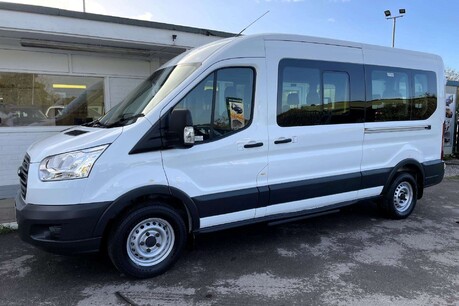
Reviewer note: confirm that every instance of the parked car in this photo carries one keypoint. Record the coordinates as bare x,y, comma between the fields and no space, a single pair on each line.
24,115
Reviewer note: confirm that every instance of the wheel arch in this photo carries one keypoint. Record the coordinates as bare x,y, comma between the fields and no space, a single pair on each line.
411,166
172,196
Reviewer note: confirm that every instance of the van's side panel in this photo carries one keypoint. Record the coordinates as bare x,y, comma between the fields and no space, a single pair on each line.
388,143
321,165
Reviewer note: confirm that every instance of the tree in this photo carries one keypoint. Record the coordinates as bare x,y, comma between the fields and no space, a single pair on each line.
451,74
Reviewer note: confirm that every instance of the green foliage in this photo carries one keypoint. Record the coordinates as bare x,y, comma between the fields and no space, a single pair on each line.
5,230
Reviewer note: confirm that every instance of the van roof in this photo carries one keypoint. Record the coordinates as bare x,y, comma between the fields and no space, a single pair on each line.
253,46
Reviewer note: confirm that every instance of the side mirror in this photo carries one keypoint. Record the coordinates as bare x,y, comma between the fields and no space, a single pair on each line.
188,135
180,131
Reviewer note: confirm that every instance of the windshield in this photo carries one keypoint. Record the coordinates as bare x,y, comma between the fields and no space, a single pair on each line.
146,96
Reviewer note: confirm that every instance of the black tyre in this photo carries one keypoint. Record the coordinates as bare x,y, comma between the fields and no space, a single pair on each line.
148,241
401,197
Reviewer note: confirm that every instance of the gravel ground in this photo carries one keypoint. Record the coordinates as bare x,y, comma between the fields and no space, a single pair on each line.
452,169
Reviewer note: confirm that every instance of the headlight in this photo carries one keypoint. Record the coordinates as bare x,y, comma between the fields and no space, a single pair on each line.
71,165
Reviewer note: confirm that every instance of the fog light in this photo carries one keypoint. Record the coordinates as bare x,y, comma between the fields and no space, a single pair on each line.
55,232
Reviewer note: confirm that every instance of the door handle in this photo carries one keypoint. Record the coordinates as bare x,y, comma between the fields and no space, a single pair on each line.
282,140
253,145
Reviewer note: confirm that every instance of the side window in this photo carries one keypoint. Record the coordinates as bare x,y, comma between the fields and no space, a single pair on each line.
300,100
221,104
199,103
396,94
389,91
233,100
336,95
424,101
316,92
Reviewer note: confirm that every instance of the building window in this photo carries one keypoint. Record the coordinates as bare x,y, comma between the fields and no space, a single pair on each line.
49,100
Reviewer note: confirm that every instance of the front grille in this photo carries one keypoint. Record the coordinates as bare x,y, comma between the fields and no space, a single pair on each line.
23,173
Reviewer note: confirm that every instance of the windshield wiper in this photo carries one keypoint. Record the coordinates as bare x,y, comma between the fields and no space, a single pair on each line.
94,123
123,119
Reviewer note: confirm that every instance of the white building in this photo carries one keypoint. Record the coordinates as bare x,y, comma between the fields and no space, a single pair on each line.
49,57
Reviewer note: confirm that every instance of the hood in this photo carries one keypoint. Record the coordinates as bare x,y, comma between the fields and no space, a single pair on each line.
73,139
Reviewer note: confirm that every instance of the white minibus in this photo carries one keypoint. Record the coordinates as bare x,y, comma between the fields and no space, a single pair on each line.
248,129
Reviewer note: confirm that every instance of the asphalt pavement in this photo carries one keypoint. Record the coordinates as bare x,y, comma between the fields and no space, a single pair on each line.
354,257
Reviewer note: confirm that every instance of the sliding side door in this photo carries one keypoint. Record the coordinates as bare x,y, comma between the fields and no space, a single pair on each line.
315,125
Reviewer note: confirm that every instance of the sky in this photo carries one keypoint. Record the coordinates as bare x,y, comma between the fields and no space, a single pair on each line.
428,26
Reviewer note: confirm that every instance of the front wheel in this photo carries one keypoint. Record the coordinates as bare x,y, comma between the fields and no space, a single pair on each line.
148,241
401,197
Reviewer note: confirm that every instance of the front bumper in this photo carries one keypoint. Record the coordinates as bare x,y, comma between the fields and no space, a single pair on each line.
63,229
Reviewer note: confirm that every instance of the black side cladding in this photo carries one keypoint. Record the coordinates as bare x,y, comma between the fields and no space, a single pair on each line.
152,140
165,133
434,171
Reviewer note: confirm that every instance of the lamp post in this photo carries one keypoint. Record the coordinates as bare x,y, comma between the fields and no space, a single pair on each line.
394,18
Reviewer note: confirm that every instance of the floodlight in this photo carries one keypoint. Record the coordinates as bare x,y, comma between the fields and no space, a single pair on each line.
402,11
387,13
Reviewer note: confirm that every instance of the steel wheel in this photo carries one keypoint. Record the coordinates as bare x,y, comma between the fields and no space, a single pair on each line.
403,196
400,199
150,242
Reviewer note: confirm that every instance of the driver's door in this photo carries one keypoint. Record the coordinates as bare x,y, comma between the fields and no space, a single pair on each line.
225,167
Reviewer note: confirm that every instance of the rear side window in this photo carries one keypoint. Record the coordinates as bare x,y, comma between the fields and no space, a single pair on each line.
424,102
390,95
397,94
222,103
317,92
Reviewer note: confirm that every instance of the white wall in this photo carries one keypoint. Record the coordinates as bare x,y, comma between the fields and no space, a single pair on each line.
118,88
40,25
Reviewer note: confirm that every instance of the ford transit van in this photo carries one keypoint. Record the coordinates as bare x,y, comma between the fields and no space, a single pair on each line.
243,130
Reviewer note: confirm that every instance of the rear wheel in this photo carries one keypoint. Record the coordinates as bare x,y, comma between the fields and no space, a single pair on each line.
148,241
401,197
